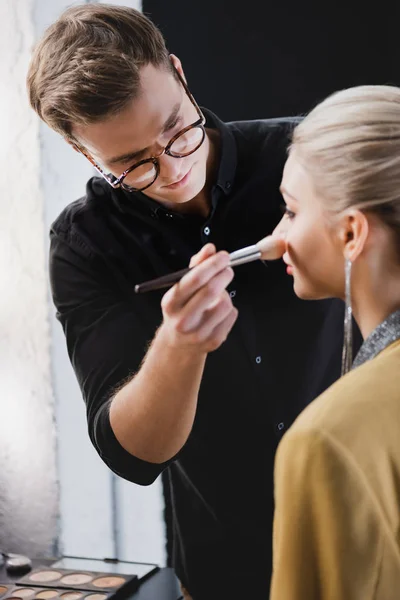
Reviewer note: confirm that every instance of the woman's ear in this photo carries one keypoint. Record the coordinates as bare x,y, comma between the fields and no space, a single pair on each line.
353,233
178,66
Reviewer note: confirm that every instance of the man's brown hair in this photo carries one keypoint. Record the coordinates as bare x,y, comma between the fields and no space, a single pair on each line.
86,66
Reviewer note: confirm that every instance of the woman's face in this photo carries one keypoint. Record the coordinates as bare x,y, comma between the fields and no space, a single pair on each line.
314,252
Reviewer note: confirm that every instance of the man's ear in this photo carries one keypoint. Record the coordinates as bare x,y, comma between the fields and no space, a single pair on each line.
353,233
178,66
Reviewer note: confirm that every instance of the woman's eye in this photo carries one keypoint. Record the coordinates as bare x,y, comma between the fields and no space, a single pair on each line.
289,213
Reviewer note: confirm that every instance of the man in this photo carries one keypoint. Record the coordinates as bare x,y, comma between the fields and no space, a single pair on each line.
163,388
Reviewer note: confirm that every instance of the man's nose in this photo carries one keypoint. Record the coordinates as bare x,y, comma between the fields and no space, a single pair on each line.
171,169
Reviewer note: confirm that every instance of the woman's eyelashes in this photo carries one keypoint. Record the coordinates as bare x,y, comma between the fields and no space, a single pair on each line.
287,212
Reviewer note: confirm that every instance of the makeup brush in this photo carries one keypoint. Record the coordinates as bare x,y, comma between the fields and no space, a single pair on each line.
269,248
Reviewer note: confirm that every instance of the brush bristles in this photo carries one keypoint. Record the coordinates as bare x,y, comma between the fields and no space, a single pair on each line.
271,247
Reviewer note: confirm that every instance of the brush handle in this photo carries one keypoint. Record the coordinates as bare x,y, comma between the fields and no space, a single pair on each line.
161,282
239,257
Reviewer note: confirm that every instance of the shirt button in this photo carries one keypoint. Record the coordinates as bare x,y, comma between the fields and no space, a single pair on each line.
232,293
258,359
207,230
228,185
280,426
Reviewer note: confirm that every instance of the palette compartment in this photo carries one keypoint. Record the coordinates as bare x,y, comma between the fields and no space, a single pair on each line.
109,565
90,581
4,589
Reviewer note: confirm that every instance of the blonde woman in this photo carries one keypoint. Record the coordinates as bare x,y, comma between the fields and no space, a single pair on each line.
337,471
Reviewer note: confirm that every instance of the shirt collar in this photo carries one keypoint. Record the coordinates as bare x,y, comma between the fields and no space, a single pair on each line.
385,334
228,153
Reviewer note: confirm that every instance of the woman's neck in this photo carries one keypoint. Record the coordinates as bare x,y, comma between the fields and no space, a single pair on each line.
374,299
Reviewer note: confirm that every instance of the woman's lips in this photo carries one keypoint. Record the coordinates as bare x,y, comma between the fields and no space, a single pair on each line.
289,268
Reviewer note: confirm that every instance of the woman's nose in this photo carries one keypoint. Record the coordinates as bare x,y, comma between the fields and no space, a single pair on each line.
282,228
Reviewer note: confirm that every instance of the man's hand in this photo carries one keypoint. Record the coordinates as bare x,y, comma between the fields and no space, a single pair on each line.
198,312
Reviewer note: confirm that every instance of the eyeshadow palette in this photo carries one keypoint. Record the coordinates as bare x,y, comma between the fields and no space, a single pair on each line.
31,593
89,581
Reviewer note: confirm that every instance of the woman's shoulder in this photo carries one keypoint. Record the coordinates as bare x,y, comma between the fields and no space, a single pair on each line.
367,398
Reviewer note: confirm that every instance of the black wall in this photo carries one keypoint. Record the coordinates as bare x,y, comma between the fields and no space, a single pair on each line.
255,59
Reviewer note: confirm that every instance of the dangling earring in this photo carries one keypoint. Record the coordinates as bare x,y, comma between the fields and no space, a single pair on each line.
347,354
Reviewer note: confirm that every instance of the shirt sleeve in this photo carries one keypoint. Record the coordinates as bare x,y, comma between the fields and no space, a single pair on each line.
327,537
106,341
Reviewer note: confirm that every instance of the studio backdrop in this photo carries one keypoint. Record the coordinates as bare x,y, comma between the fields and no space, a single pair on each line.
255,59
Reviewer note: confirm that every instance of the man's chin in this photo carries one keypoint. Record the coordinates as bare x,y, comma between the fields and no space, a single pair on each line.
185,195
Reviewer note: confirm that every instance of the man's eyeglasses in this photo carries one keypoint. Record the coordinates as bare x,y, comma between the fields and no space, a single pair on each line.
143,173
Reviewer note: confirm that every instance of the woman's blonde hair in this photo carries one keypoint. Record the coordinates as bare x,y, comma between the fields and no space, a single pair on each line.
350,145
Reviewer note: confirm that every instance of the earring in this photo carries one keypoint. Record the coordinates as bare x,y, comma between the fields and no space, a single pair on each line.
347,354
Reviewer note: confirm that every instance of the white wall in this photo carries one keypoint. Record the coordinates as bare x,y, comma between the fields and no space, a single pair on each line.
100,514
28,482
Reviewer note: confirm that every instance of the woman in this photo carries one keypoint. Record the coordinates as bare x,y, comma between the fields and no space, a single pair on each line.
337,470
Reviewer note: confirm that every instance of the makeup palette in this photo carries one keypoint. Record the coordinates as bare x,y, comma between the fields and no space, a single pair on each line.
32,593
101,584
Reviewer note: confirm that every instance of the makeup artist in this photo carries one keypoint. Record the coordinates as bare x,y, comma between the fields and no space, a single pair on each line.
204,380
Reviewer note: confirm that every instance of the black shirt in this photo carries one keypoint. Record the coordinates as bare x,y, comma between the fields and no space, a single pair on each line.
281,353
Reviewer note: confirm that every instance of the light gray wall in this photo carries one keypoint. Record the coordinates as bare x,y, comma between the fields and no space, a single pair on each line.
101,515
43,436
28,480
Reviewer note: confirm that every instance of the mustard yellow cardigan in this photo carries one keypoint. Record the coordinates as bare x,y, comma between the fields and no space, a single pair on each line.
337,491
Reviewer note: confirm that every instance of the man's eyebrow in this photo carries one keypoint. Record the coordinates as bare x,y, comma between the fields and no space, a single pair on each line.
170,122
136,154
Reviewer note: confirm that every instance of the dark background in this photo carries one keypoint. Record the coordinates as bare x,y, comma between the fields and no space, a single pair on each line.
259,59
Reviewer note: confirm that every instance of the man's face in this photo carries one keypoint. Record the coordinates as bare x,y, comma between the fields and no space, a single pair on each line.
142,130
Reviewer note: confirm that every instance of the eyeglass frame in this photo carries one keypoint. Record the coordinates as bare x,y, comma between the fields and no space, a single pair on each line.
119,181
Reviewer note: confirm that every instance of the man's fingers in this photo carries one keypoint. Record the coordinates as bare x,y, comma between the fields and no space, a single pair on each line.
214,316
205,252
221,332
197,278
203,303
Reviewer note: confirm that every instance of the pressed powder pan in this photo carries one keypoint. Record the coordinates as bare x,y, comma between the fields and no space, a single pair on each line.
79,580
